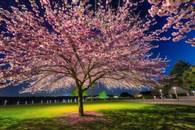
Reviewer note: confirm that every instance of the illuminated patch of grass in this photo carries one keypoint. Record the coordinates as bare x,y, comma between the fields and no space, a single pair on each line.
53,110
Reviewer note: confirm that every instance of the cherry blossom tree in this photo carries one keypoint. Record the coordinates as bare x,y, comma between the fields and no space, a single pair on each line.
78,46
180,15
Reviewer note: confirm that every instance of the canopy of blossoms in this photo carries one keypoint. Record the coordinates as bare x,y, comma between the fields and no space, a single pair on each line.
75,45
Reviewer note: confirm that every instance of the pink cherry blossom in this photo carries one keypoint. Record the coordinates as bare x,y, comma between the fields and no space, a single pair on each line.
80,48
180,16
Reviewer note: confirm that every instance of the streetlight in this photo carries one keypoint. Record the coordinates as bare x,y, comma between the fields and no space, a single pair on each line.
161,94
175,90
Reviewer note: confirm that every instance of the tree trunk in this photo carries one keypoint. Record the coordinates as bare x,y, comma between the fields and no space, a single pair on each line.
80,101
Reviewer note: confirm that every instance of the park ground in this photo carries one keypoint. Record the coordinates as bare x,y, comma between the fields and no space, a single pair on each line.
123,115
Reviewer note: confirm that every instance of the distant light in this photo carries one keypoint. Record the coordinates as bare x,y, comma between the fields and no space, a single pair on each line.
115,96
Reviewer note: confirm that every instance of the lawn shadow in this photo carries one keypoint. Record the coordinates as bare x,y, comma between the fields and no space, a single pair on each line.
158,117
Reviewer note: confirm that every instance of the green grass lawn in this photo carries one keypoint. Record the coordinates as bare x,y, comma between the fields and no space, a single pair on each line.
117,116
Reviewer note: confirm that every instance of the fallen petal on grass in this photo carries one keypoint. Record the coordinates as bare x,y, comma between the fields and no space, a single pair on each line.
74,118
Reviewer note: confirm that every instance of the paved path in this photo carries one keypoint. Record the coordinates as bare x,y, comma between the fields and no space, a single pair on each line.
181,101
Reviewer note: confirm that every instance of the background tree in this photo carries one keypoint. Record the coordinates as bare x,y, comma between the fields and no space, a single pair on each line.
103,95
166,85
74,45
182,75
179,68
188,78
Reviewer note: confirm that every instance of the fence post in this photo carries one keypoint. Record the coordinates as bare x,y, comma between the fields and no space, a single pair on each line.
5,102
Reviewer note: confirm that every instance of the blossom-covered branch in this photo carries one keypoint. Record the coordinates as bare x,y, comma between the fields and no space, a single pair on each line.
180,16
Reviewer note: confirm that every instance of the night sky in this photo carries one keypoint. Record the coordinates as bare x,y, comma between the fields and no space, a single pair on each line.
173,51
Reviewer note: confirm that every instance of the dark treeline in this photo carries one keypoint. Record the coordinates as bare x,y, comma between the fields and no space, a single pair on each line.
182,75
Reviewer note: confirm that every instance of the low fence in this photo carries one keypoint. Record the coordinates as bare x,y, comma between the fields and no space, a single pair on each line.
4,101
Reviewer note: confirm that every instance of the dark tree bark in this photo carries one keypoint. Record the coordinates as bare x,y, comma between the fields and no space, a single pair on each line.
80,101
